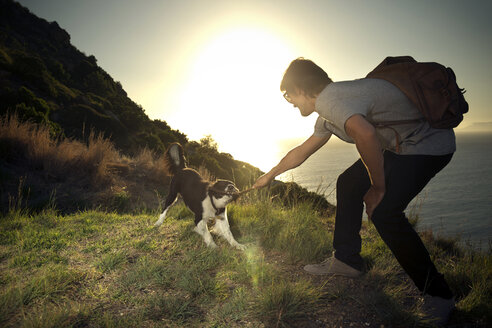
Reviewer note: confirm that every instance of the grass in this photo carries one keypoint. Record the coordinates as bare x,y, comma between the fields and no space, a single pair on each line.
282,302
287,230
40,167
107,268
101,269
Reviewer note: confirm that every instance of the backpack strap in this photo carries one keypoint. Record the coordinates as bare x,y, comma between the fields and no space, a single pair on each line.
388,125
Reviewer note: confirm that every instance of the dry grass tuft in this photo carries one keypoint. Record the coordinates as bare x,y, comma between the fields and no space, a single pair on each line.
206,174
59,157
93,171
149,163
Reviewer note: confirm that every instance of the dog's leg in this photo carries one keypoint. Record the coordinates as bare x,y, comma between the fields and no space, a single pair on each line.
171,198
202,229
222,228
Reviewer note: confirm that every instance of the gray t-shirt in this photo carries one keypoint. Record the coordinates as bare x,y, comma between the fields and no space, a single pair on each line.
379,101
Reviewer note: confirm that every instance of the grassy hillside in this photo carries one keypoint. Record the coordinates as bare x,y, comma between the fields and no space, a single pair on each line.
62,265
68,259
46,80
36,169
100,269
79,120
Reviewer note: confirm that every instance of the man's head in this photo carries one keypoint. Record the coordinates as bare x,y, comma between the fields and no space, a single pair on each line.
302,82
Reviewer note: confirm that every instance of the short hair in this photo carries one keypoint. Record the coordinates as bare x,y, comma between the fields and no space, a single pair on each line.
306,76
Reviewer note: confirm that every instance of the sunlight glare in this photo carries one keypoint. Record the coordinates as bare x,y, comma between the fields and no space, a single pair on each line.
232,93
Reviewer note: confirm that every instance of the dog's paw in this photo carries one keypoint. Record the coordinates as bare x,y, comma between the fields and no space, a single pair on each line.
212,245
241,247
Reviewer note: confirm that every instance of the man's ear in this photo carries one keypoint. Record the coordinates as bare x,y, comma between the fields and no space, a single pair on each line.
299,92
302,93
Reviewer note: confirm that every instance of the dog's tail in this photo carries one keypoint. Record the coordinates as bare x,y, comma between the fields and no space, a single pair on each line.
175,158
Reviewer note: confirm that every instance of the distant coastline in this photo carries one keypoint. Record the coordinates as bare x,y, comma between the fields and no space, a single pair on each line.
482,127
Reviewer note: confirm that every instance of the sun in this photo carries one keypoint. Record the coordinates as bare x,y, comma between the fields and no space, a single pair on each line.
232,93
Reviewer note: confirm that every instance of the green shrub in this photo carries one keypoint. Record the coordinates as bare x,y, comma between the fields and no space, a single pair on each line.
5,59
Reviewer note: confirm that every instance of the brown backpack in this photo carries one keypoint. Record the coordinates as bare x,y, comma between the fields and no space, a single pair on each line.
430,86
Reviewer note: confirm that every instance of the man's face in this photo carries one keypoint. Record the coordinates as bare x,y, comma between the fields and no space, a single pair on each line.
302,101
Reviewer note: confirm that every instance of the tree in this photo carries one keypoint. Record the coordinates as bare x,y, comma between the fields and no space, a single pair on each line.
208,142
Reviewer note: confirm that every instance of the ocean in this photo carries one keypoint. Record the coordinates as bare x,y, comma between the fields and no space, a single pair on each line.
456,203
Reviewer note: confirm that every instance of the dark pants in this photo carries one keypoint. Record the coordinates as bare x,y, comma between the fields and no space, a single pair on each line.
406,176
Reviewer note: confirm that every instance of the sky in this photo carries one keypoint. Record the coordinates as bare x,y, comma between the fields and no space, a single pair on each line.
214,67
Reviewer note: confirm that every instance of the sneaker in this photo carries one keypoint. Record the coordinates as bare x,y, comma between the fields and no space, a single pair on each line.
437,309
333,266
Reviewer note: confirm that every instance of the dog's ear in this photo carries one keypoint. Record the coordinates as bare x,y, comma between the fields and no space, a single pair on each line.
224,184
220,185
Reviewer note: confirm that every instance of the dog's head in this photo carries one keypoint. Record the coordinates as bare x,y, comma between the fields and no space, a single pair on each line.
224,191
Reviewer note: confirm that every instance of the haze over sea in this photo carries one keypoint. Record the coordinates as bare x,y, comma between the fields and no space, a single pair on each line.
457,202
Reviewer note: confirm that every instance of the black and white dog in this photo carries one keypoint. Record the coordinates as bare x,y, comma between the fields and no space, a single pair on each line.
204,199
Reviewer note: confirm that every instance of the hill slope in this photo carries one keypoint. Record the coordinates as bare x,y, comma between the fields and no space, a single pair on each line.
45,80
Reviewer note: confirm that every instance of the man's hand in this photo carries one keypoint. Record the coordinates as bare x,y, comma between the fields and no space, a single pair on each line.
364,135
263,181
372,198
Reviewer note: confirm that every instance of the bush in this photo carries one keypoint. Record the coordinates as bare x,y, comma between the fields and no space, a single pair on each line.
58,70
5,60
30,67
290,194
98,82
151,141
33,69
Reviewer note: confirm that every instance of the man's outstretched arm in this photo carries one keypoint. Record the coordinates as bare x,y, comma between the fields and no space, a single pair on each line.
293,159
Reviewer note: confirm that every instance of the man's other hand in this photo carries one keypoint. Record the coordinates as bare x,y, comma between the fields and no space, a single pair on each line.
373,197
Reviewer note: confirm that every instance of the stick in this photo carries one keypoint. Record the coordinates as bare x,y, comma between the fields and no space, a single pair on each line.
245,191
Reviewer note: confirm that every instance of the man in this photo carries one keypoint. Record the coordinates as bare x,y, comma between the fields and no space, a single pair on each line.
396,163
